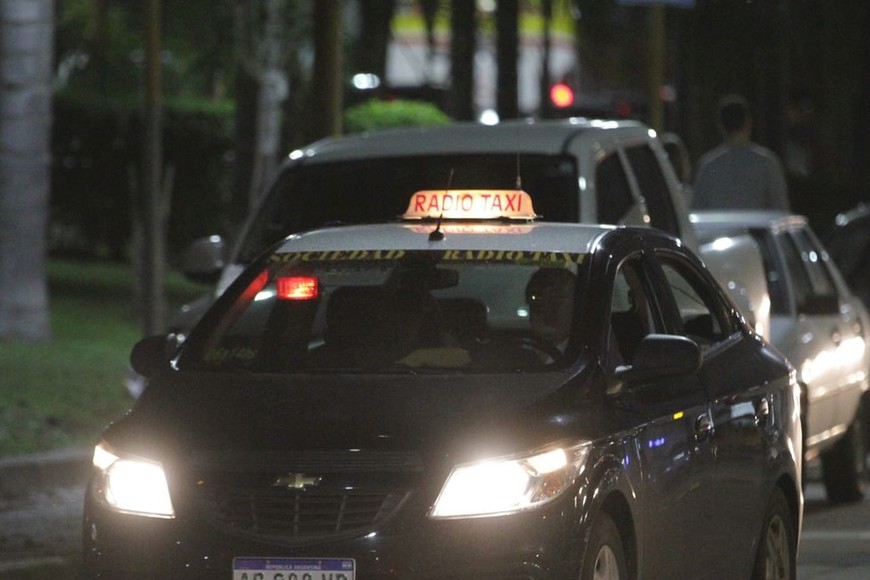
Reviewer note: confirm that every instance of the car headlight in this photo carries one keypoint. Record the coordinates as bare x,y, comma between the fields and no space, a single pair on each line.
133,485
509,484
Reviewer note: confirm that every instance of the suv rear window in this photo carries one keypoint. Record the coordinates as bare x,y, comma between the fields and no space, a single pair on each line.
313,195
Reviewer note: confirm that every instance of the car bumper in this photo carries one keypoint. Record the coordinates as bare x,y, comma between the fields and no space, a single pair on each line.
540,544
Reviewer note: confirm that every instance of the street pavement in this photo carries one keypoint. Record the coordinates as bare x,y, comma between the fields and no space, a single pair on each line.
41,498
835,543
41,504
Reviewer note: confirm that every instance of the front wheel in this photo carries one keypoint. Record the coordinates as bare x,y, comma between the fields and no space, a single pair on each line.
844,466
604,557
776,558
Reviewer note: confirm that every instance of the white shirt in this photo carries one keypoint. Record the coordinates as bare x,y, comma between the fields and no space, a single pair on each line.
740,176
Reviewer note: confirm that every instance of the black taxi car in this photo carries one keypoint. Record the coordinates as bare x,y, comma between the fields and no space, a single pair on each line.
465,394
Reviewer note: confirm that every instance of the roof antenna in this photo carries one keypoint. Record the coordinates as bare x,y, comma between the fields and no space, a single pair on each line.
437,235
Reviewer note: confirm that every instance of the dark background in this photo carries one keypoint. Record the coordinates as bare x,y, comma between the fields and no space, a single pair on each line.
803,64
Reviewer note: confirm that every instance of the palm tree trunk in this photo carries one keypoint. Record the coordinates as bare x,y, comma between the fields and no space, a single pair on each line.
27,27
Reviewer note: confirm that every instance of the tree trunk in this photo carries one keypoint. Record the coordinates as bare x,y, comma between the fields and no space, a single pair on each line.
99,37
27,30
272,80
545,81
430,13
247,91
463,27
375,16
261,88
327,86
507,42
153,306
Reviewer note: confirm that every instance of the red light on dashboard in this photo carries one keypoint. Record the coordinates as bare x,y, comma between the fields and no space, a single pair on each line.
298,288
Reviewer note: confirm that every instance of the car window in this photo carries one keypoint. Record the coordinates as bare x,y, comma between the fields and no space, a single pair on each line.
653,187
631,315
703,316
811,281
678,155
814,260
375,190
776,283
849,247
391,311
614,197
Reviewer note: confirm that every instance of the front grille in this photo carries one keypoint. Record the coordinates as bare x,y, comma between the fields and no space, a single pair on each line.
247,496
296,514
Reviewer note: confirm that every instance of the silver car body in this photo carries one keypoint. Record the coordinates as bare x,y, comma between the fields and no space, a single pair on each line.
588,141
815,320
737,263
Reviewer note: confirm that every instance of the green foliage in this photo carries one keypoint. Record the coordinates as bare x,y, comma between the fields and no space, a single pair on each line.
376,115
91,153
103,51
62,393
96,152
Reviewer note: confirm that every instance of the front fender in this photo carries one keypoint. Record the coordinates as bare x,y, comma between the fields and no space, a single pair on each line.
607,486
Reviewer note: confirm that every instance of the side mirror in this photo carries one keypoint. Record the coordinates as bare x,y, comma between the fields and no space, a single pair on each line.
204,259
660,356
152,353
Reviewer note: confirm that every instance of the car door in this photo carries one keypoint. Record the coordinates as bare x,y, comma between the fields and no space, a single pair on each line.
668,418
829,365
740,430
615,202
848,243
654,189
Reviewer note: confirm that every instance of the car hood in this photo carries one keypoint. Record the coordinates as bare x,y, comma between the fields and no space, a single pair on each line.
463,417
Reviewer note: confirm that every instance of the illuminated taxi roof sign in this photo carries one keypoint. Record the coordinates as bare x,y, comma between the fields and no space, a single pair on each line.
471,204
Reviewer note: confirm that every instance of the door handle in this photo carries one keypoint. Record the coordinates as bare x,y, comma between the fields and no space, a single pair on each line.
762,411
703,427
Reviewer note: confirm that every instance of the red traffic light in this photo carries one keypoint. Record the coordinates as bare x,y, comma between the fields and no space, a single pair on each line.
561,95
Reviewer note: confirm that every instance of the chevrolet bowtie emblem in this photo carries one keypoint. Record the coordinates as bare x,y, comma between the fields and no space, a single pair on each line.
297,481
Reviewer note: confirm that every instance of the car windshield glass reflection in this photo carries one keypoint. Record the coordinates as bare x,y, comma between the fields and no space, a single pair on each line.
394,311
377,190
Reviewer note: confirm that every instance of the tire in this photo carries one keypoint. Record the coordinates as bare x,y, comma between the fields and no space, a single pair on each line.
604,557
844,467
803,441
865,419
776,558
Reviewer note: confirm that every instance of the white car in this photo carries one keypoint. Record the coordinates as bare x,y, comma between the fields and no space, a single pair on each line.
576,170
822,328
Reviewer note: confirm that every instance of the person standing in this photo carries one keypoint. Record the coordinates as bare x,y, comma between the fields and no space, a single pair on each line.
739,174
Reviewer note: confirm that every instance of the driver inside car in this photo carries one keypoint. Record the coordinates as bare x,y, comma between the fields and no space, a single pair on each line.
550,297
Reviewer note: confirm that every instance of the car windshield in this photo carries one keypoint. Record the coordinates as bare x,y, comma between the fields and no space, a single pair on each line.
393,311
312,195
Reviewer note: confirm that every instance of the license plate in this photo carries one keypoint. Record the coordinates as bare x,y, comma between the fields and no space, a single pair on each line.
294,569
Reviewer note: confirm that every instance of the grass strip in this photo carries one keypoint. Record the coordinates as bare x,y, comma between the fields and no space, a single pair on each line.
62,393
